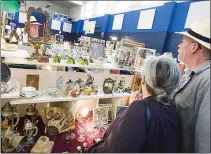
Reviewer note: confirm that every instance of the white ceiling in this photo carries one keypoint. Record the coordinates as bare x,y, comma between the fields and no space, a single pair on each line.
67,4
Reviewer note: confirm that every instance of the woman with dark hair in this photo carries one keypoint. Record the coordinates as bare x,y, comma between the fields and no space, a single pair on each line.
150,124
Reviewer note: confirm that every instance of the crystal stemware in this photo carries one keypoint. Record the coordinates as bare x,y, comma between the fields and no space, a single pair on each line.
81,130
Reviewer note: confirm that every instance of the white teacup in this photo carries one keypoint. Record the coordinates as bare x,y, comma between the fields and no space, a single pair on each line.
28,89
29,92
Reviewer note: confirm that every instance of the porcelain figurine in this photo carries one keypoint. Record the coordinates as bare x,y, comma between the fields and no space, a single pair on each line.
89,81
120,88
59,83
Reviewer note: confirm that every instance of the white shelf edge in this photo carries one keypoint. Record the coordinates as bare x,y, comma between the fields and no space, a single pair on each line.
45,99
26,62
7,96
15,94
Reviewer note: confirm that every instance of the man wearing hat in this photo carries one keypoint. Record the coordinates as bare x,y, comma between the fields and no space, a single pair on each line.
193,94
35,27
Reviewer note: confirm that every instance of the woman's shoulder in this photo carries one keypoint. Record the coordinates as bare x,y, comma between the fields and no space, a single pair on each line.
139,106
152,102
143,102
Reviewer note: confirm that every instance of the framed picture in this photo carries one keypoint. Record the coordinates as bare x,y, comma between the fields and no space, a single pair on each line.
32,81
55,16
97,50
120,109
145,52
100,116
59,38
110,45
110,111
142,54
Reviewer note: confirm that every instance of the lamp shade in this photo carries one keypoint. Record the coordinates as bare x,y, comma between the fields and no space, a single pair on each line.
10,6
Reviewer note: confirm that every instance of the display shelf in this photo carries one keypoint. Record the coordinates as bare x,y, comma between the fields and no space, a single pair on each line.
12,94
34,62
46,99
15,94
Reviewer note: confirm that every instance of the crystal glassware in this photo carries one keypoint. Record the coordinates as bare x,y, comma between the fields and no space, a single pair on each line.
81,130
92,132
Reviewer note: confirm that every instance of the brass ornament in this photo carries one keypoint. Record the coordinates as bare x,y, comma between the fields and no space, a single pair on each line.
37,41
108,86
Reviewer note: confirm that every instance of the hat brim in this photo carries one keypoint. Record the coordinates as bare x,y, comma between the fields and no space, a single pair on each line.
35,23
205,44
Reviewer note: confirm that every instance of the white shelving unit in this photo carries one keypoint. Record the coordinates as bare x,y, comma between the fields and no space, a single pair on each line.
46,99
34,62
15,99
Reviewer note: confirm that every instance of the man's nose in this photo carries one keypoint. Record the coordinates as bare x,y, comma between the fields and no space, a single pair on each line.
179,46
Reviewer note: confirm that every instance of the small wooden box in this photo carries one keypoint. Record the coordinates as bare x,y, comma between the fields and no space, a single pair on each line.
42,59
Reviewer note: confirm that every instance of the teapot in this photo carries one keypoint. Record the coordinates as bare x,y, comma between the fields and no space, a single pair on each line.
8,113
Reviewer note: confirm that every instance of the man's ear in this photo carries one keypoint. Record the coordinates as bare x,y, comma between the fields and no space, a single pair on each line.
143,80
195,47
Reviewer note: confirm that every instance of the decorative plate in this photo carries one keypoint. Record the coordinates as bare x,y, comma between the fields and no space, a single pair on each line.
5,72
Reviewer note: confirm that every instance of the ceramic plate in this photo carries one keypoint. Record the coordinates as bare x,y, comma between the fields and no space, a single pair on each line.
5,73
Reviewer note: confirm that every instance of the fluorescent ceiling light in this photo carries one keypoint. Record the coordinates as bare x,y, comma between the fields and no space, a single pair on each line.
77,2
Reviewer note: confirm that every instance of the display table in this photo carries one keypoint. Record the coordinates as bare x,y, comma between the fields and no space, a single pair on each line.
60,143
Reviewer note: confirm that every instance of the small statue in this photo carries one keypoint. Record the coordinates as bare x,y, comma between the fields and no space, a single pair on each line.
89,81
31,113
79,85
120,88
59,83
65,90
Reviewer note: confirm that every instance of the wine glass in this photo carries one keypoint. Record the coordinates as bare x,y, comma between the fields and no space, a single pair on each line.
92,131
81,130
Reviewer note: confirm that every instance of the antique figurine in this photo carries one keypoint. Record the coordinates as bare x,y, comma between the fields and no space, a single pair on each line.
59,83
89,81
79,84
120,88
31,113
65,90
